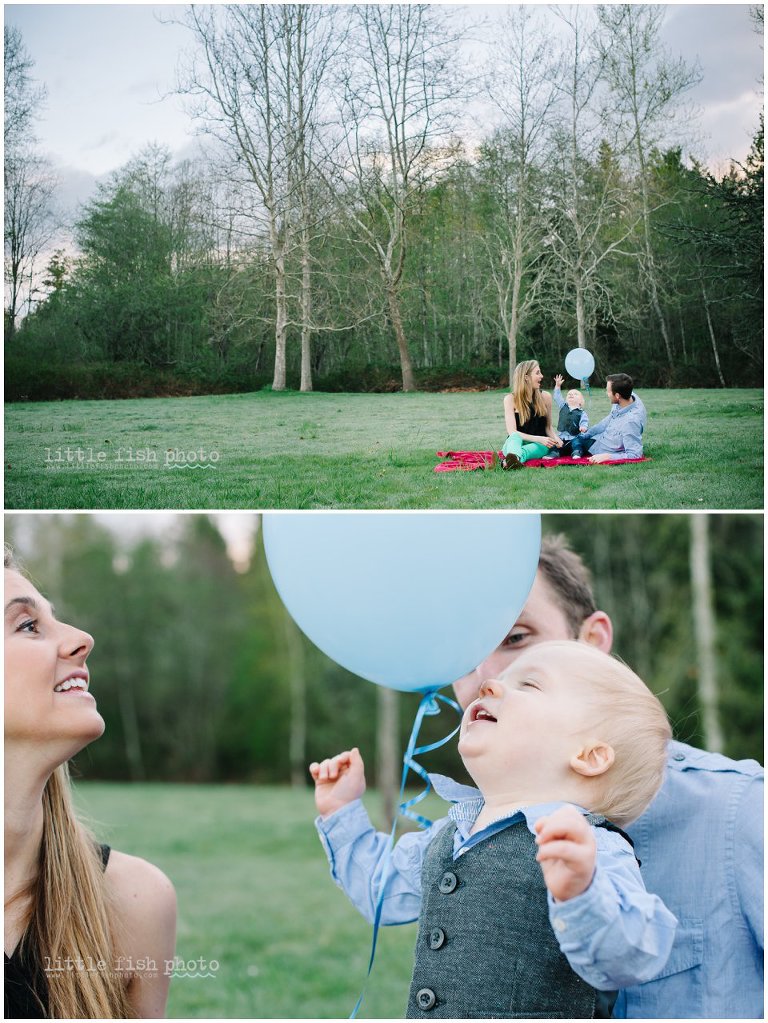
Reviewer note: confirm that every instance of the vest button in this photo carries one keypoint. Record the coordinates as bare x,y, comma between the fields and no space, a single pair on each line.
425,999
437,938
448,882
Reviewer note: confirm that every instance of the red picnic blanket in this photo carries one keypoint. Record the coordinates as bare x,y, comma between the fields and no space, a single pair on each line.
466,461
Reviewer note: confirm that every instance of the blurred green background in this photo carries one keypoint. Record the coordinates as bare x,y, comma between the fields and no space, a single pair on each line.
215,703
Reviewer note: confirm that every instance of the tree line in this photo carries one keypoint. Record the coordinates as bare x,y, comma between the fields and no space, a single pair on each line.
345,228
201,675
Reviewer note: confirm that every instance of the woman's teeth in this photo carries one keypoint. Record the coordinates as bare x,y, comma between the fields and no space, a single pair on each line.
71,683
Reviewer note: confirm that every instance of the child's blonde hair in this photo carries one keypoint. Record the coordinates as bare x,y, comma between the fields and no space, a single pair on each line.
631,719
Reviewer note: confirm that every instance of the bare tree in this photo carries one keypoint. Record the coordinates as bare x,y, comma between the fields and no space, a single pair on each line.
259,76
316,44
23,97
645,84
29,185
29,226
401,76
521,85
588,196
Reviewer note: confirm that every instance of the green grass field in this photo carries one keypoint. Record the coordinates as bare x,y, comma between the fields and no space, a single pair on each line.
255,894
294,450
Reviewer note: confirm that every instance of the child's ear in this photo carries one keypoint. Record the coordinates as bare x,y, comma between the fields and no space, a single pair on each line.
593,758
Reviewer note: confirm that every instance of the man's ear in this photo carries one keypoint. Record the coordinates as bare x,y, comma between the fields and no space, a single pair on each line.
597,630
594,758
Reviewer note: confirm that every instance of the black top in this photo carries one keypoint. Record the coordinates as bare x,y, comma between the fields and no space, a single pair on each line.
26,987
536,426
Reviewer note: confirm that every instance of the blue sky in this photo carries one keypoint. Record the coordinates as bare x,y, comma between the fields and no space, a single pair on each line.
110,72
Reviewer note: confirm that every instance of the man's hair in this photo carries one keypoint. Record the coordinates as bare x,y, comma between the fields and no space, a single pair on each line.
569,580
629,717
621,384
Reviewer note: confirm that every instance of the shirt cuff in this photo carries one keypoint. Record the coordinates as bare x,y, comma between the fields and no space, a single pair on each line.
575,919
344,825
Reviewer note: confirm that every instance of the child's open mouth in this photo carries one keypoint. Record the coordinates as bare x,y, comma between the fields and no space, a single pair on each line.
479,713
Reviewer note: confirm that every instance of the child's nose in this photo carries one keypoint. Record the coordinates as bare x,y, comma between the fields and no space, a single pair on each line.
491,687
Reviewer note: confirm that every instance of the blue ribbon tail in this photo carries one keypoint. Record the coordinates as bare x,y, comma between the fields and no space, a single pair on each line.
428,706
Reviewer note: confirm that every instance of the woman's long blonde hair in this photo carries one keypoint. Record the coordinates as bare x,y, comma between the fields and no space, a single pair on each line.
71,916
527,400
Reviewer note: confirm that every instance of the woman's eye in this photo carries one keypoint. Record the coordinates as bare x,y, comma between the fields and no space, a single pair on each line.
28,626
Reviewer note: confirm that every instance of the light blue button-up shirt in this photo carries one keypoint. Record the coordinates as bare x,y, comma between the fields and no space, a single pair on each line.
700,844
613,934
620,434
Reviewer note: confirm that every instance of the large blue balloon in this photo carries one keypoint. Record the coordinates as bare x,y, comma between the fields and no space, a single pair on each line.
409,600
580,363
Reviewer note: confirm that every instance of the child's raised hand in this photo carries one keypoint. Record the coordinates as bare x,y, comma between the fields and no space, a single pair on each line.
559,380
338,781
567,852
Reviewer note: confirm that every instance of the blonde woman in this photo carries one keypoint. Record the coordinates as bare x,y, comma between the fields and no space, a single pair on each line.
528,418
89,931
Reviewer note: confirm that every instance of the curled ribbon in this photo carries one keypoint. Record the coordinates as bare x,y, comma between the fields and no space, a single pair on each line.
428,706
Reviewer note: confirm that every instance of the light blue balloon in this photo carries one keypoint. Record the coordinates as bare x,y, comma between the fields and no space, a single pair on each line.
408,600
580,363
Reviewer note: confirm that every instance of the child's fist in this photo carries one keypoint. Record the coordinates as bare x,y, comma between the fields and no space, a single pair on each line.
338,781
567,852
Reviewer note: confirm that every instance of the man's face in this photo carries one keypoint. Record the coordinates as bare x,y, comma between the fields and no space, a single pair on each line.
612,398
541,619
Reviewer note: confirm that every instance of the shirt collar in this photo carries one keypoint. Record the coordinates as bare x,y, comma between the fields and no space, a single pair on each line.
468,802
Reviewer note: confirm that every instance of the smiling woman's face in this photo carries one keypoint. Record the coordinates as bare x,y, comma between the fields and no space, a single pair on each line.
46,679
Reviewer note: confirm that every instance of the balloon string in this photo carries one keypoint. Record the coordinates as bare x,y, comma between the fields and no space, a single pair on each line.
427,706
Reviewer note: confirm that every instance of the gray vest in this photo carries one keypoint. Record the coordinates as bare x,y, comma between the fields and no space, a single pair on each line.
485,948
568,420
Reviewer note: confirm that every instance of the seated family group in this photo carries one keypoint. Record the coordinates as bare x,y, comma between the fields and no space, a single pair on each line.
528,418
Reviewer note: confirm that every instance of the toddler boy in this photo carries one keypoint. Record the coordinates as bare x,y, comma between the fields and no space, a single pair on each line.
572,419
529,899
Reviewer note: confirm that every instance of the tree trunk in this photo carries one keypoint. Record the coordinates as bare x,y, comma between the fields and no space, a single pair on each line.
387,752
514,320
712,337
406,368
306,312
131,732
704,632
651,271
281,324
297,742
581,316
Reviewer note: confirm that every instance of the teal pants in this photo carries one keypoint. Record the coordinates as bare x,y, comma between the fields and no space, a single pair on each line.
524,449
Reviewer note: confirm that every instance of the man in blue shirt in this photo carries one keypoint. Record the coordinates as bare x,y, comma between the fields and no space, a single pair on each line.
620,434
700,843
